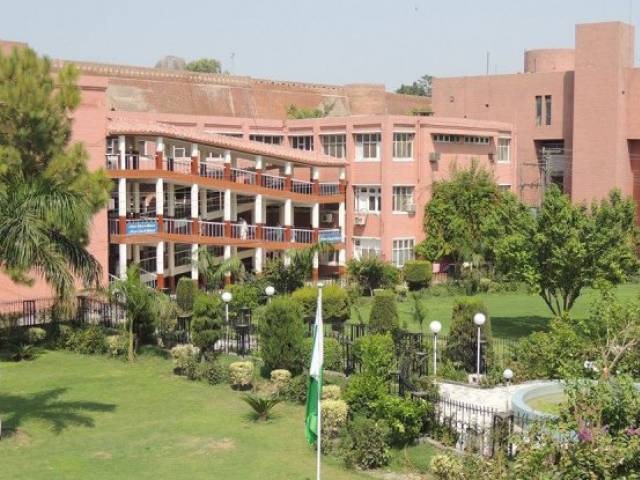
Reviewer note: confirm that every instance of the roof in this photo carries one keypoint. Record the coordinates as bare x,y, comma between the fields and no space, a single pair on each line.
188,134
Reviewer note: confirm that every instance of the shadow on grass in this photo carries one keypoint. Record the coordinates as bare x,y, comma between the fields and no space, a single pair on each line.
47,406
153,351
517,327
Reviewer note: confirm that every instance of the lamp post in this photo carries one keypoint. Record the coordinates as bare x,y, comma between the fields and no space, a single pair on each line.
479,319
435,328
269,291
226,298
508,375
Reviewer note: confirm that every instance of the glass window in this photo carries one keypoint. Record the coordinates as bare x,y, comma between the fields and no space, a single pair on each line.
503,150
446,138
402,199
366,247
270,139
402,251
334,145
179,152
367,146
112,146
367,199
182,254
403,145
547,106
475,140
538,110
505,187
304,142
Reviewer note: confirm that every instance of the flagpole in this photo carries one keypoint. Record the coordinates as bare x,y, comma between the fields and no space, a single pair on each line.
319,441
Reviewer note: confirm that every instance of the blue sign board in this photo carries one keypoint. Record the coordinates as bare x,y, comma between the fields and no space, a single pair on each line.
330,236
142,226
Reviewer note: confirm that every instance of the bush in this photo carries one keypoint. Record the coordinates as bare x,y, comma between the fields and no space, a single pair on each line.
280,378
211,372
447,467
186,291
384,313
362,392
417,273
375,353
462,341
89,340
295,390
333,353
20,351
331,392
185,357
334,417
62,334
405,418
117,345
372,273
336,307
206,323
36,335
244,295
241,374
281,335
365,444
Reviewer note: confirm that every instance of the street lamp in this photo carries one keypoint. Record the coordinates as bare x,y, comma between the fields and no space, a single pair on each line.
435,328
479,319
270,291
226,298
508,375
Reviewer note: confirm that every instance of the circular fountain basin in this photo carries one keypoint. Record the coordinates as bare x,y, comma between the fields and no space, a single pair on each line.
538,401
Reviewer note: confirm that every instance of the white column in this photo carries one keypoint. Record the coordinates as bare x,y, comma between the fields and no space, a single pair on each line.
286,259
315,173
203,203
257,259
259,162
234,207
227,252
136,253
315,215
171,253
194,262
227,157
136,197
122,150
194,200
122,260
227,205
257,209
160,146
122,198
288,213
159,197
342,174
171,200
288,168
316,260
342,257
195,152
160,258
342,219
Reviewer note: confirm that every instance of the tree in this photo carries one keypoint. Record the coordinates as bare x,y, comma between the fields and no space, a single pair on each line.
295,112
171,62
281,335
570,247
138,300
47,194
372,273
214,270
206,324
384,312
421,87
287,278
204,65
462,341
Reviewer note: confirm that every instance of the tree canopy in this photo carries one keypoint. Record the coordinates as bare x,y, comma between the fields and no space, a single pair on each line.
204,65
421,87
295,112
47,194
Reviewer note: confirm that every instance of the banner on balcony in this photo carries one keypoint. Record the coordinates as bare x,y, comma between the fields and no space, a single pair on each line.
330,236
142,226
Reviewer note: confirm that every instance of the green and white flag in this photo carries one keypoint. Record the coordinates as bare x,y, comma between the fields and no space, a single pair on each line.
314,394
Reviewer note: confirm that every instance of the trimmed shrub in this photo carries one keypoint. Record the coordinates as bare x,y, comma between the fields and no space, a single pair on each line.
62,335
404,417
211,372
331,392
186,291
372,273
334,417
206,323
280,378
185,357
365,444
244,296
335,303
375,353
241,374
462,341
362,392
36,335
117,345
89,340
447,467
384,312
281,335
296,390
417,273
333,353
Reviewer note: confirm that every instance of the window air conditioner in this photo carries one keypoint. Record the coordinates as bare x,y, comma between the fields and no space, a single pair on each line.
327,218
360,219
434,157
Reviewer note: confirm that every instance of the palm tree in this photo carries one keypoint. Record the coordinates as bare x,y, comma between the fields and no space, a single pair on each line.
214,270
261,406
137,297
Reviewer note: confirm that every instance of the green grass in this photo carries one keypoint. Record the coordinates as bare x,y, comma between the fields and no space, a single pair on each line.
513,315
549,403
78,417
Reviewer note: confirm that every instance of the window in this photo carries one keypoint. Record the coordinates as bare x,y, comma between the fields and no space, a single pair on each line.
270,139
402,251
367,146
142,147
547,106
505,187
403,145
334,145
538,110
367,199
504,145
304,142
366,247
112,146
446,138
182,254
474,140
402,199
179,152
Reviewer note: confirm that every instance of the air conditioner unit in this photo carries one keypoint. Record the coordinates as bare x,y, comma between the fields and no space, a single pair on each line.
410,209
360,219
434,157
327,218
492,157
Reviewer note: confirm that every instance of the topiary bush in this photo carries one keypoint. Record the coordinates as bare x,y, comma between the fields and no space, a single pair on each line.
384,312
365,444
206,323
186,291
241,374
331,392
211,372
333,353
404,417
280,378
336,307
36,335
462,341
282,332
185,357
417,273
295,390
334,417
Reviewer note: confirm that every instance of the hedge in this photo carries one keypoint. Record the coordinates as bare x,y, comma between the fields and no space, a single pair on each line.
417,273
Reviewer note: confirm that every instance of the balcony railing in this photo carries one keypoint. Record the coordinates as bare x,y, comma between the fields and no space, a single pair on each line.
178,226
211,171
273,234
301,235
273,182
299,186
329,188
243,231
246,177
212,229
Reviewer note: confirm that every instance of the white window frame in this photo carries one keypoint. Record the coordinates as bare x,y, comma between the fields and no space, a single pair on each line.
503,148
364,143
112,146
400,260
505,187
175,150
371,251
268,139
446,138
301,142
334,144
403,146
476,140
363,197
407,203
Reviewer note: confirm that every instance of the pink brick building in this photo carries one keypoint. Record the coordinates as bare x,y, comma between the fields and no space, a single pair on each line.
211,160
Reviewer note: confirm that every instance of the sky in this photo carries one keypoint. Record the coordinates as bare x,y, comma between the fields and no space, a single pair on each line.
324,41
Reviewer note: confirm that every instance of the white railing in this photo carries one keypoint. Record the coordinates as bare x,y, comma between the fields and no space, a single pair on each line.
112,161
180,165
246,177
243,231
302,235
178,226
273,182
211,171
300,186
273,234
212,229
329,188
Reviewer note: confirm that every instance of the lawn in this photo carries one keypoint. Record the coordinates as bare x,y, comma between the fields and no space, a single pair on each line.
513,315
89,417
